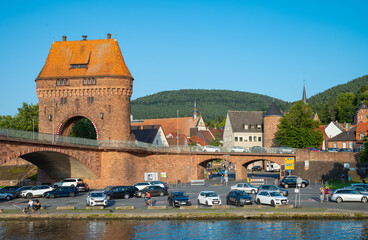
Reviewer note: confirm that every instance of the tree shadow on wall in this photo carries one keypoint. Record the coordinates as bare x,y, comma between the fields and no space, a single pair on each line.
335,173
362,168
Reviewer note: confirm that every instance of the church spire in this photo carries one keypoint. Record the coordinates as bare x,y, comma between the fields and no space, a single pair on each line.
195,111
304,98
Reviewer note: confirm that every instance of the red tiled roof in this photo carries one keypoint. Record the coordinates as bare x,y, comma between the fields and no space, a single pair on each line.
362,127
103,57
198,140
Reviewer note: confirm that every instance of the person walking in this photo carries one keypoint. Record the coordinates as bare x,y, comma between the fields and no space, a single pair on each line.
222,179
322,193
326,194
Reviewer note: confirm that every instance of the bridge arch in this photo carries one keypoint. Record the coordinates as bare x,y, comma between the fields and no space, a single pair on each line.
66,126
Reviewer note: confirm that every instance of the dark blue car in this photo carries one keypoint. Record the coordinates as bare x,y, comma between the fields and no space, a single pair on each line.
177,199
62,192
238,198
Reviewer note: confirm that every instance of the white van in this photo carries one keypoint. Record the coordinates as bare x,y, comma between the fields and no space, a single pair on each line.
272,167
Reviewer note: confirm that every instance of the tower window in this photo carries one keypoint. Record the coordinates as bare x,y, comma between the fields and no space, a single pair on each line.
63,100
90,99
73,66
85,81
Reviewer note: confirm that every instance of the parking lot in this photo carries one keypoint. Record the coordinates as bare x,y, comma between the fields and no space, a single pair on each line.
309,198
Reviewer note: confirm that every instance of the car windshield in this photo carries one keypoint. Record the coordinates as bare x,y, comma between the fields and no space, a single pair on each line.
97,195
242,193
179,195
275,194
211,194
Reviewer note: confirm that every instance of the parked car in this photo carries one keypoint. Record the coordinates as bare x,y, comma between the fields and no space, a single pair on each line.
120,192
177,199
82,187
246,187
257,168
159,183
272,167
271,198
153,190
238,198
348,195
208,198
6,196
68,182
9,189
360,189
356,149
17,193
258,149
96,198
142,185
363,185
314,149
62,192
287,150
210,148
332,150
292,182
272,188
345,150
36,191
238,149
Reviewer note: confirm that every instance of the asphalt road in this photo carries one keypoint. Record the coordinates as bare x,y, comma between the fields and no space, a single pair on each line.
309,198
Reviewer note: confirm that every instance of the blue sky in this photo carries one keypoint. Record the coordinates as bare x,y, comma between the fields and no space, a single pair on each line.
266,47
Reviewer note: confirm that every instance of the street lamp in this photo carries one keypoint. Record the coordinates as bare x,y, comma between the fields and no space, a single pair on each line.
226,171
33,120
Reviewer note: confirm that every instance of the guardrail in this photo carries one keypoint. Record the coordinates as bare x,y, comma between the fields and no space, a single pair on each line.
200,182
116,144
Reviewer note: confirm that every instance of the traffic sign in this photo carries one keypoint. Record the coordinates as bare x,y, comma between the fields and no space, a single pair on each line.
289,163
289,172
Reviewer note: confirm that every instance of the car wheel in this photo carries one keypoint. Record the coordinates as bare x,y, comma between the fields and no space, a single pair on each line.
217,151
143,195
364,200
258,201
29,195
71,194
72,185
52,196
303,185
126,196
227,202
7,198
272,203
162,194
207,204
286,185
339,200
253,191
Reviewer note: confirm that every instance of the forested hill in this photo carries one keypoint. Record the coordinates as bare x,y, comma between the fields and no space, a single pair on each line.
210,103
352,86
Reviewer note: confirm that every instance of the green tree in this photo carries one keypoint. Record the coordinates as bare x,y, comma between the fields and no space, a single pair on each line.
215,141
84,129
25,119
346,105
297,129
364,151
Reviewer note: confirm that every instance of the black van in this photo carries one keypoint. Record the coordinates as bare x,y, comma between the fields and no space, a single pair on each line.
120,191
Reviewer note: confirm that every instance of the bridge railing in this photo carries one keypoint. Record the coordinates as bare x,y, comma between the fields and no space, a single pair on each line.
45,137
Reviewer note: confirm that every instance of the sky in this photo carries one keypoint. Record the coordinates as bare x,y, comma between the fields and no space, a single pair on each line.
260,46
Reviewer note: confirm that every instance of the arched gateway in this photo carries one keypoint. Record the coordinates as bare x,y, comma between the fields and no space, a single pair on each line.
86,78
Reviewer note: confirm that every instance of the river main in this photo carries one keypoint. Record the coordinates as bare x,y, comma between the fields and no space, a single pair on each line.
158,229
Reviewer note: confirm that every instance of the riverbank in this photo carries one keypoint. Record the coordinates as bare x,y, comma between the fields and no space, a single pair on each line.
189,214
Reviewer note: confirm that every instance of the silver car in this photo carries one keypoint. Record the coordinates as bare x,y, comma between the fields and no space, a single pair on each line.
96,198
246,187
348,195
238,149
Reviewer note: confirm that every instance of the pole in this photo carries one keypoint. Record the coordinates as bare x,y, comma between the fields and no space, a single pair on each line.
53,121
177,128
33,126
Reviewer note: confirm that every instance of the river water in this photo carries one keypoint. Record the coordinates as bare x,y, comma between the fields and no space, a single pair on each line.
158,229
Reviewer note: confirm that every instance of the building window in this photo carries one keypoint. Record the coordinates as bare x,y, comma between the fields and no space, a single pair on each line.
66,82
255,138
259,127
63,100
250,138
361,136
240,139
90,99
93,81
245,126
259,139
351,145
78,66
335,145
236,139
89,81
85,81
58,82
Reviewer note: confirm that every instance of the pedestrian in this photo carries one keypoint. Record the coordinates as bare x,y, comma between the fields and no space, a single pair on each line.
30,207
322,193
222,178
343,178
326,194
37,205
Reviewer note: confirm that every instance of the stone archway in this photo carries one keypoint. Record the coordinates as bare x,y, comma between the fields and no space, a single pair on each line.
66,126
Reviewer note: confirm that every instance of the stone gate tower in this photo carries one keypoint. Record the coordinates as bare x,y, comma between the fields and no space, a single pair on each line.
85,79
271,120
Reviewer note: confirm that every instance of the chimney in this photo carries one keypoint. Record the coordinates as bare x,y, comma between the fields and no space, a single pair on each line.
64,38
84,37
109,36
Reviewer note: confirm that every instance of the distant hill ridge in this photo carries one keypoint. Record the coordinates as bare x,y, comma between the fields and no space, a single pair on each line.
214,103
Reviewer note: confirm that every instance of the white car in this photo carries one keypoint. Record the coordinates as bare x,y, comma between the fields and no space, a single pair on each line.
96,198
246,187
238,149
210,148
142,185
6,196
159,183
36,191
209,198
271,198
73,182
348,195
